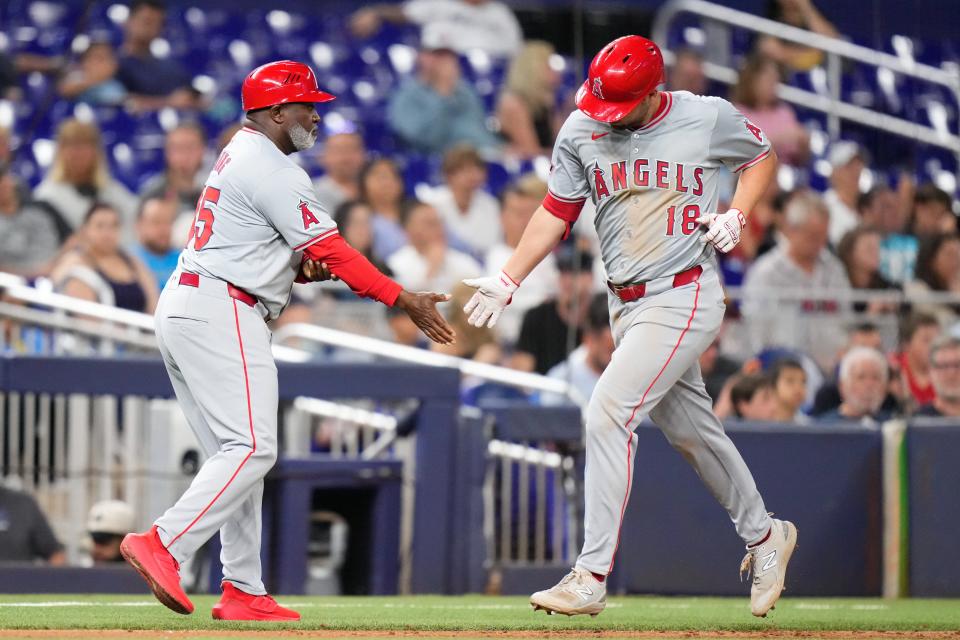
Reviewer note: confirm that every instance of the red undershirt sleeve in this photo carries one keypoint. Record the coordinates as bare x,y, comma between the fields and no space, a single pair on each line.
352,267
566,209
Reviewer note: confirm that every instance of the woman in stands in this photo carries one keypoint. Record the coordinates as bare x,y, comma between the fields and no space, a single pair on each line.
97,269
859,251
528,114
80,176
382,189
756,97
938,271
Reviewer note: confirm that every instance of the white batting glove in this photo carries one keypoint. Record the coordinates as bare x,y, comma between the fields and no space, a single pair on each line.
723,229
493,295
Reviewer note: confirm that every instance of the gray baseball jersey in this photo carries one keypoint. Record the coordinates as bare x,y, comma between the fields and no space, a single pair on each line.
257,213
649,185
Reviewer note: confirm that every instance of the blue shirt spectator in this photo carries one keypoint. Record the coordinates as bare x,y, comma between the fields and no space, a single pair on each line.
154,233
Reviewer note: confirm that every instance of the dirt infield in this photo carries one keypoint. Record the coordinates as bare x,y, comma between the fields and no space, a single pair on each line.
336,633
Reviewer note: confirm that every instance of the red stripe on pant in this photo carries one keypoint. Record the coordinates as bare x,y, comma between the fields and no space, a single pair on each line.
626,495
253,437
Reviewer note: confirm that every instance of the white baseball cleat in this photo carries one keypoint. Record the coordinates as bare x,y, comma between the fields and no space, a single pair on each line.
768,563
577,594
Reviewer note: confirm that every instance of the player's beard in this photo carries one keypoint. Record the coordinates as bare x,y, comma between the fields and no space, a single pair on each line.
301,138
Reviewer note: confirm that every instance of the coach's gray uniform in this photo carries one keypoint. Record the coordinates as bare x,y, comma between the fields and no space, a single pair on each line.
649,185
257,213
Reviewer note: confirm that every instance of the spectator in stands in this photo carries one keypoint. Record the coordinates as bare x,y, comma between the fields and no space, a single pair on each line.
756,97
487,25
428,263
436,109
382,189
152,82
527,110
184,172
107,523
93,78
801,14
546,329
753,398
470,213
30,232
863,386
342,159
686,73
945,374
716,368
583,367
80,176
932,212
100,271
154,246
938,271
842,198
520,200
912,364
355,223
859,251
802,262
881,208
25,534
789,391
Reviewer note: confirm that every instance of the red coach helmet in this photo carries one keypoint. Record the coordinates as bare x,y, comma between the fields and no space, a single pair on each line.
279,83
620,77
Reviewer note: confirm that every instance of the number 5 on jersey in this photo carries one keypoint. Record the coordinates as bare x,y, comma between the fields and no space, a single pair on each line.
201,236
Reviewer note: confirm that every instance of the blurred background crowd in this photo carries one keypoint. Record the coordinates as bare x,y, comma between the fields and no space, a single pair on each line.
844,294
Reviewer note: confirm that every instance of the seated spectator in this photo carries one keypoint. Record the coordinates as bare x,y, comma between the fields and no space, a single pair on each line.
25,534
342,158
547,329
801,14
880,208
382,189
428,263
789,391
843,197
100,271
151,81
945,375
755,95
863,387
154,247
937,271
583,367
81,176
436,108
753,398
108,522
470,213
527,110
803,262
487,25
863,334
686,73
93,78
30,232
912,364
716,369
184,172
932,212
520,200
859,251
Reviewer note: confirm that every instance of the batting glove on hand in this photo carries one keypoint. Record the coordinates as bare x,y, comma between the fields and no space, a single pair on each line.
493,295
723,229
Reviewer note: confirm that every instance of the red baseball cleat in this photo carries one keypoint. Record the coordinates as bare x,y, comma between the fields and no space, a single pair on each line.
238,605
161,571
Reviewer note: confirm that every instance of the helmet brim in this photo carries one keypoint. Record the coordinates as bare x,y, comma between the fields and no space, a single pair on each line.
603,110
310,96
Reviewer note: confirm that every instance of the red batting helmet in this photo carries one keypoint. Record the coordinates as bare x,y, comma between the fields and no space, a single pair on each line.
279,83
620,77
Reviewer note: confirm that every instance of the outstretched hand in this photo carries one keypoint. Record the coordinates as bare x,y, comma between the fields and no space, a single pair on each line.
422,309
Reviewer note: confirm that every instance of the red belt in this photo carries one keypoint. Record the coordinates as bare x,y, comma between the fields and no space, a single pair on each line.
631,292
193,280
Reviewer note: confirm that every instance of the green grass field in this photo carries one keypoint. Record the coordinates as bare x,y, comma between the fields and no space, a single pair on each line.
489,615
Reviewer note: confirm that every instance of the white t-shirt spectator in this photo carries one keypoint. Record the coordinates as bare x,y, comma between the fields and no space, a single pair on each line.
537,287
842,217
478,227
412,270
489,26
578,373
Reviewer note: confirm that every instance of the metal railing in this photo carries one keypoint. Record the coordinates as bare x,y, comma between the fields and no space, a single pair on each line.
836,51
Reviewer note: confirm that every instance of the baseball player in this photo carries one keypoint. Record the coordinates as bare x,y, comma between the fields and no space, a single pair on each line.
650,161
257,220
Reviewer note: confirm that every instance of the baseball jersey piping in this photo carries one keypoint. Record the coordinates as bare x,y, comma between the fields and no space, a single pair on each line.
253,437
313,241
750,163
657,119
626,496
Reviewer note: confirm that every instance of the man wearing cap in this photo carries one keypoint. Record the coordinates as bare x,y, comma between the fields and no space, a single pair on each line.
650,162
841,198
108,522
258,229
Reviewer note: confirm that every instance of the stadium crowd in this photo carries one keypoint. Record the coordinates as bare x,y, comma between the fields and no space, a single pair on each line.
820,354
